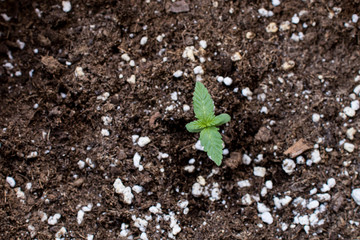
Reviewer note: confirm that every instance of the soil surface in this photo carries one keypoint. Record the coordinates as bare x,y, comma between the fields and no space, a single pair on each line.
84,89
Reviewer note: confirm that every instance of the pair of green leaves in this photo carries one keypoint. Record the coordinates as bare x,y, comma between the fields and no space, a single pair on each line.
207,123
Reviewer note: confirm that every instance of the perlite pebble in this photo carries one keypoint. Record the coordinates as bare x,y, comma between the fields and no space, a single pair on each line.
66,6
295,19
355,194
267,218
203,44
355,105
5,17
143,141
243,183
198,70
313,204
125,57
11,181
288,166
61,233
265,13
269,184
349,111
125,191
246,200
143,40
300,160
259,171
198,146
262,208
137,188
174,96
159,38
106,120
275,3
20,44
303,220
105,132
89,162
236,57
219,79
136,161
197,189
228,81
331,182
178,73
246,159
79,72
246,92
81,164
131,79
297,37
80,216
315,117
53,220
349,147
282,202
32,231
20,194
315,156
323,197
350,133
189,168
354,18
186,107
357,90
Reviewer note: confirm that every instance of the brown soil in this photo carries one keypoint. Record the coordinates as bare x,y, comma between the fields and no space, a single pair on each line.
52,119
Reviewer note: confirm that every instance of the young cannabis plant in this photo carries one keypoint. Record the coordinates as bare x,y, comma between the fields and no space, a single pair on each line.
207,123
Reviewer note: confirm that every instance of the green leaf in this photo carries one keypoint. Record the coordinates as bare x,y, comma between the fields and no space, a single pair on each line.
210,139
203,104
195,126
220,120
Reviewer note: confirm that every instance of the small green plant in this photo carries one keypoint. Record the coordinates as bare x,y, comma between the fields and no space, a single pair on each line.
207,123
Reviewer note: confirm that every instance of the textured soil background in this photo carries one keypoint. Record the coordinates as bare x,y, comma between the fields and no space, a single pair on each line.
68,98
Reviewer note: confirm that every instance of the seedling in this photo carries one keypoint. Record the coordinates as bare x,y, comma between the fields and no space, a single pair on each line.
207,123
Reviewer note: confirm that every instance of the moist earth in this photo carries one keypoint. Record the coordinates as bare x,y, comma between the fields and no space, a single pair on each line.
85,85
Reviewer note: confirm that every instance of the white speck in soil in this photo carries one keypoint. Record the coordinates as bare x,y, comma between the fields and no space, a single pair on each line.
125,191
259,171
143,40
266,217
143,141
288,166
313,204
355,194
11,181
61,233
349,147
228,81
178,73
66,6
53,220
295,19
315,156
246,159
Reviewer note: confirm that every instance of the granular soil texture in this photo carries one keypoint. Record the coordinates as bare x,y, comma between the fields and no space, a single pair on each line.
86,84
